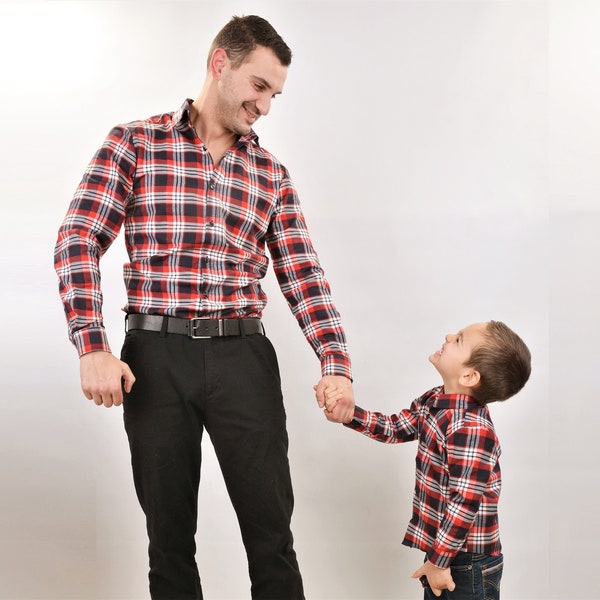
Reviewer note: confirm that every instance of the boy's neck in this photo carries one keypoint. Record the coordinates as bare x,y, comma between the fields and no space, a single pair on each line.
456,389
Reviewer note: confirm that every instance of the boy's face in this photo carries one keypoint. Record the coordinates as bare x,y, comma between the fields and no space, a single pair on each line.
450,360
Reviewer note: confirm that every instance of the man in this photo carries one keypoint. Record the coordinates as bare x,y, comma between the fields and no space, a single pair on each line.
201,202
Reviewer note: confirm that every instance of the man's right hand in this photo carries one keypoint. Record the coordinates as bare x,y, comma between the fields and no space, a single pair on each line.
101,375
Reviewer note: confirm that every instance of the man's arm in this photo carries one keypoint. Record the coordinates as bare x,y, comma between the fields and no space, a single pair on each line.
305,288
92,223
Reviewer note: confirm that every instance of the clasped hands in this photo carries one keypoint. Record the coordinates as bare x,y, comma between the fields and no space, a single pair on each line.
336,397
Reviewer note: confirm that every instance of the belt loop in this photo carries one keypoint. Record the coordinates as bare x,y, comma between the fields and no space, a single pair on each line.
242,328
126,319
164,326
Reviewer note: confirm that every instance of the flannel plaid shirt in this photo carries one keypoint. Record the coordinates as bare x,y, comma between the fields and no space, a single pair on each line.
196,234
455,503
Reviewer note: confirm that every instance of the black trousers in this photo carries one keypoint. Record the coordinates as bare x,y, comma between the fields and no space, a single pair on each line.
230,388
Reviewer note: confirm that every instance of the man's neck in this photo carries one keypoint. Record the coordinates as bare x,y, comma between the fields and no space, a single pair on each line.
216,139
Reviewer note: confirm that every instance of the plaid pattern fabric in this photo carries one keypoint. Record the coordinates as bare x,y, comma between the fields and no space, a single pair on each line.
455,503
197,235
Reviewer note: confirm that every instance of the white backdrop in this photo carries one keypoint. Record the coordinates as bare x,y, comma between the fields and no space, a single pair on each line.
446,153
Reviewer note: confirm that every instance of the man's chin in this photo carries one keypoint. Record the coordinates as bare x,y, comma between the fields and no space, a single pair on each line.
242,130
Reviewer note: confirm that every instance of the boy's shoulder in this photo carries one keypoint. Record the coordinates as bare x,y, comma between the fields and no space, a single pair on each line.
479,416
469,416
475,422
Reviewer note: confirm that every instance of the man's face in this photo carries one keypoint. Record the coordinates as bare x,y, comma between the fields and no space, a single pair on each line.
245,93
450,360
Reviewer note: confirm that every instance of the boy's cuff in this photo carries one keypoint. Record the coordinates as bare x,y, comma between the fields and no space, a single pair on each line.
441,560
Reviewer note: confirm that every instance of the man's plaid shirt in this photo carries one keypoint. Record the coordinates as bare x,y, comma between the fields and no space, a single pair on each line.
196,235
455,503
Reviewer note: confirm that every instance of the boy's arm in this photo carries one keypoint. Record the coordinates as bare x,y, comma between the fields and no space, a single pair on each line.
473,453
389,429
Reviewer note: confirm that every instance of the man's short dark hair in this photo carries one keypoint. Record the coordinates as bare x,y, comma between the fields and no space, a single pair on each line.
503,362
241,36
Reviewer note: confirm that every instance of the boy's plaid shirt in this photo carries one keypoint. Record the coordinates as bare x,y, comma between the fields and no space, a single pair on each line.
455,503
196,235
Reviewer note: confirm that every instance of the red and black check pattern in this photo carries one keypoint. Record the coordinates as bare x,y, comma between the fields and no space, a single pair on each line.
197,235
455,504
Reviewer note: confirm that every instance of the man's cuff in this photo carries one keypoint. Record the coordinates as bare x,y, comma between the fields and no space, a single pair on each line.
90,339
336,364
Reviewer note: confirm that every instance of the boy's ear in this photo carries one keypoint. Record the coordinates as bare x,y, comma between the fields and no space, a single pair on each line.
470,378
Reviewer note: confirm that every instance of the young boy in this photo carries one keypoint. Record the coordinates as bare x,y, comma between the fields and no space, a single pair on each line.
455,503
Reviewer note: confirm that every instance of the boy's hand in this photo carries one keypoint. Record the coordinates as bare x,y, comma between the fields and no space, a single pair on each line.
438,579
332,395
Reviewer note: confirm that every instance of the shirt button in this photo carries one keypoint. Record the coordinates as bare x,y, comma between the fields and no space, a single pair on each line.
211,223
212,186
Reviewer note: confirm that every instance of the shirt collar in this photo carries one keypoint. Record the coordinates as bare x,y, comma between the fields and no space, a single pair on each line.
454,401
181,120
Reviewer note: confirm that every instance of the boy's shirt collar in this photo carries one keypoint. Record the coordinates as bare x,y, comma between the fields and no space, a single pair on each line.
457,401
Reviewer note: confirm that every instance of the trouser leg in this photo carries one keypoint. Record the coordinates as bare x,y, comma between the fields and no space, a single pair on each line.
165,440
246,421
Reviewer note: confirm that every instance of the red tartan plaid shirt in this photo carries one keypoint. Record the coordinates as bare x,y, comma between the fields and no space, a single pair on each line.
196,235
455,503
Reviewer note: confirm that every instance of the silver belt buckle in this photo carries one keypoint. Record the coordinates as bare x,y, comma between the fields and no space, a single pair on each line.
195,323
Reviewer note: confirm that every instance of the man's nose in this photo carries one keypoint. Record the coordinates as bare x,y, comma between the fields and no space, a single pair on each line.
264,106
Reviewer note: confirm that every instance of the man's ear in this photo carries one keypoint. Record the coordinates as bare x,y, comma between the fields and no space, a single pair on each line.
470,378
218,60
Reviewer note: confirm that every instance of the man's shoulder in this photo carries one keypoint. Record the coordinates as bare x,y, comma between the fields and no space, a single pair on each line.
263,157
156,123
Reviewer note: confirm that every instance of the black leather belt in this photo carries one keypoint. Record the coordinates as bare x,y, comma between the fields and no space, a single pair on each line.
195,328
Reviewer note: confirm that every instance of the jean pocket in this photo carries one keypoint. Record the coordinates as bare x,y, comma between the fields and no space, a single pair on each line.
491,574
464,578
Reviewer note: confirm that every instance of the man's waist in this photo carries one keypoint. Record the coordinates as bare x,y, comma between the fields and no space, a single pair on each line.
196,327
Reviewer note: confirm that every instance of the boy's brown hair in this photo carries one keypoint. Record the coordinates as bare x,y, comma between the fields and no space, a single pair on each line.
503,362
241,35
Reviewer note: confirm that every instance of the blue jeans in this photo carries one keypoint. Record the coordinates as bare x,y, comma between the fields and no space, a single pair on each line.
477,577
